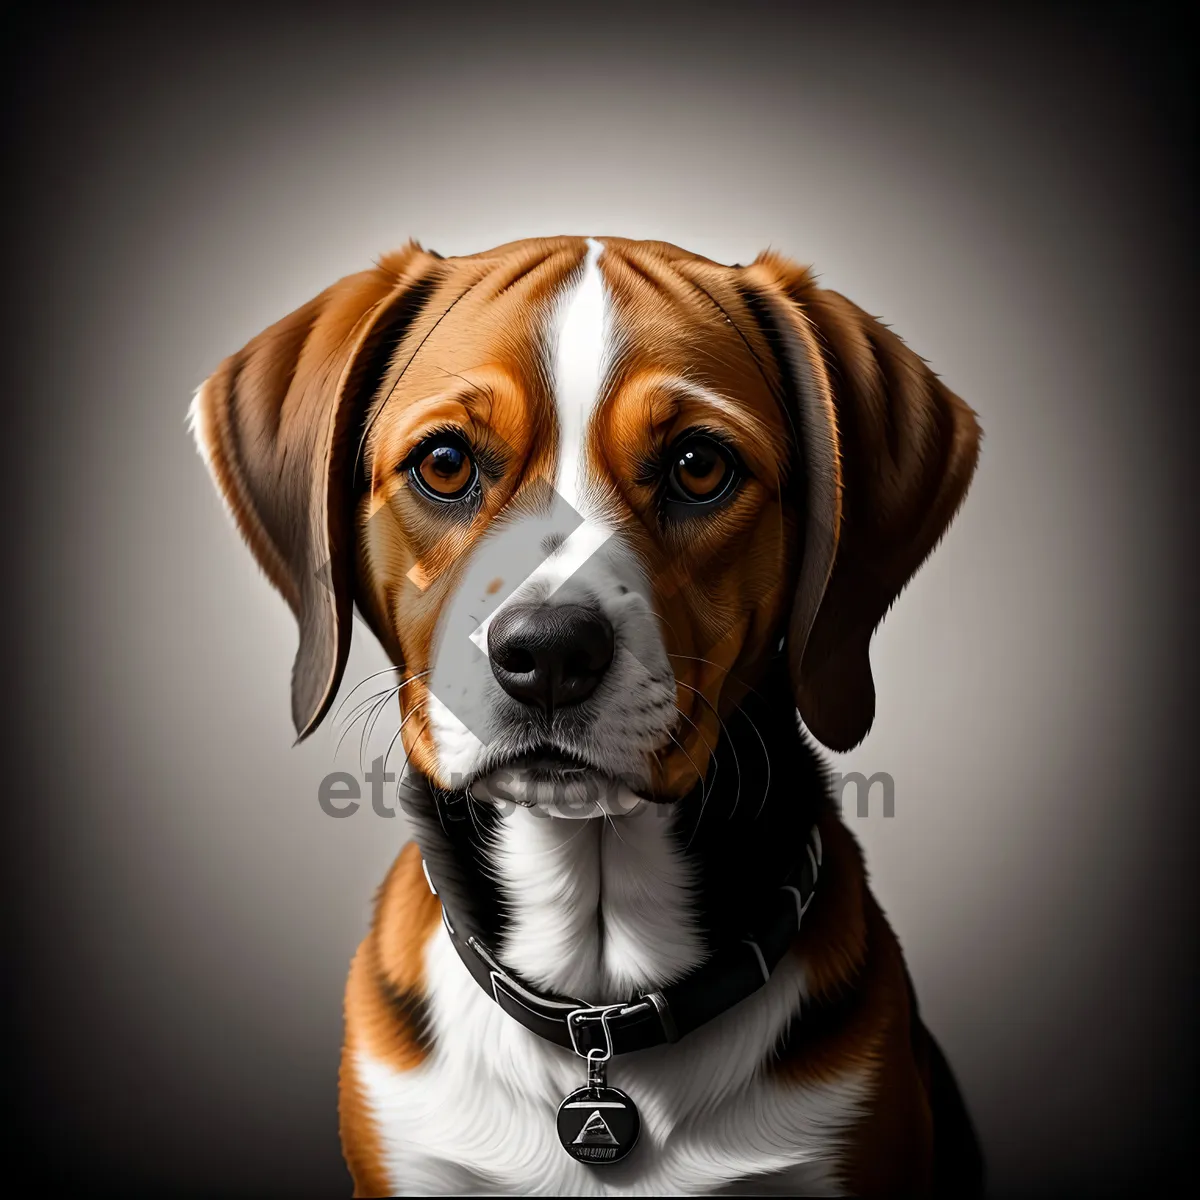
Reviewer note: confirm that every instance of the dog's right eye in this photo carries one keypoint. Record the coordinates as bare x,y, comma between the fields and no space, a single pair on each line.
443,469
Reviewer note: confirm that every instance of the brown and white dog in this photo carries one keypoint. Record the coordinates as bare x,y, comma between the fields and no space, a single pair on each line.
615,513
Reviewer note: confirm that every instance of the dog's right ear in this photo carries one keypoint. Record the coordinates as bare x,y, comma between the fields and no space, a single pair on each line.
890,454
279,425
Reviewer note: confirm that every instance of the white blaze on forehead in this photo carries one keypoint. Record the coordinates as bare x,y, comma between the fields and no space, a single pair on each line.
580,360
580,341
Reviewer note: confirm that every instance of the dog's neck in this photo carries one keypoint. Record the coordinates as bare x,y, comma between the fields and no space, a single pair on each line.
601,908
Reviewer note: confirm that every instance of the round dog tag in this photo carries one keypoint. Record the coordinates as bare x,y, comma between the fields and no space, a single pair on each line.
598,1124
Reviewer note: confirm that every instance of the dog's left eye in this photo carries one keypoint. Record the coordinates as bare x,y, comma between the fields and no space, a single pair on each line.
701,470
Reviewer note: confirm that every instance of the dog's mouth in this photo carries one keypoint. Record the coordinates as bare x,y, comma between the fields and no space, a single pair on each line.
556,782
549,764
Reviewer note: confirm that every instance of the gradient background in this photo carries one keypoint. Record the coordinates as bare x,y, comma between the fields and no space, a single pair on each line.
1011,192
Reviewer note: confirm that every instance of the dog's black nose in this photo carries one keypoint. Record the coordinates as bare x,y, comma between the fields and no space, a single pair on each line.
548,656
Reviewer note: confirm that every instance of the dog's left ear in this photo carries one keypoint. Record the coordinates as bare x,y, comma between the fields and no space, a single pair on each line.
889,453
279,426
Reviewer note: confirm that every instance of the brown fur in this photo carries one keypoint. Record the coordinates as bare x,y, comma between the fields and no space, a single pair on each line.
384,1006
859,1016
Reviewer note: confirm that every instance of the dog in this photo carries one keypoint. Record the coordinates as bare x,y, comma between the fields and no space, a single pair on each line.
624,521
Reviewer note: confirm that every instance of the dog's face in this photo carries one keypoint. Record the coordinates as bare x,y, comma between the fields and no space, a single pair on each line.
582,490
594,480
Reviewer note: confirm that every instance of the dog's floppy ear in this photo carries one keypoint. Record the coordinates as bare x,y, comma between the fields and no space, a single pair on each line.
279,423
898,449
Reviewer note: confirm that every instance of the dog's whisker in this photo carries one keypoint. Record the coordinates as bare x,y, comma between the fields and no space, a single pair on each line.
437,808
364,705
388,752
395,736
375,675
371,708
369,724
766,755
366,679
359,713
407,755
767,760
724,670
712,783
703,790
612,824
733,748
365,733
471,802
369,727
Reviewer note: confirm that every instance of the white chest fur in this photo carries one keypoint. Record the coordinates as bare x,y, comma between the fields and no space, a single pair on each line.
595,912
597,907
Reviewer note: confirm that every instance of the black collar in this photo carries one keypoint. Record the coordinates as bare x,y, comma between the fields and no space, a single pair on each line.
734,972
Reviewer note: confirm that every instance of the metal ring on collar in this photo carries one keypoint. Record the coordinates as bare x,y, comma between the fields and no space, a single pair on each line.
602,1011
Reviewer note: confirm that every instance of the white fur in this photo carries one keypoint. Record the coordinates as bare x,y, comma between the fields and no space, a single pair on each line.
195,426
580,362
597,907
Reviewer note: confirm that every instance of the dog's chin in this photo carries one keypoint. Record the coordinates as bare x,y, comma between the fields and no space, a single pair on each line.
557,785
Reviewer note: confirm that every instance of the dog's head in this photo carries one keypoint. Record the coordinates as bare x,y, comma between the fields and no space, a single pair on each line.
582,491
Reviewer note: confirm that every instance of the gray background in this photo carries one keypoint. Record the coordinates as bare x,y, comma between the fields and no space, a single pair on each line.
1010,193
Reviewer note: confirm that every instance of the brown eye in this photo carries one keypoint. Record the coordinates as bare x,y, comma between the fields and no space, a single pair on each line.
702,470
445,469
